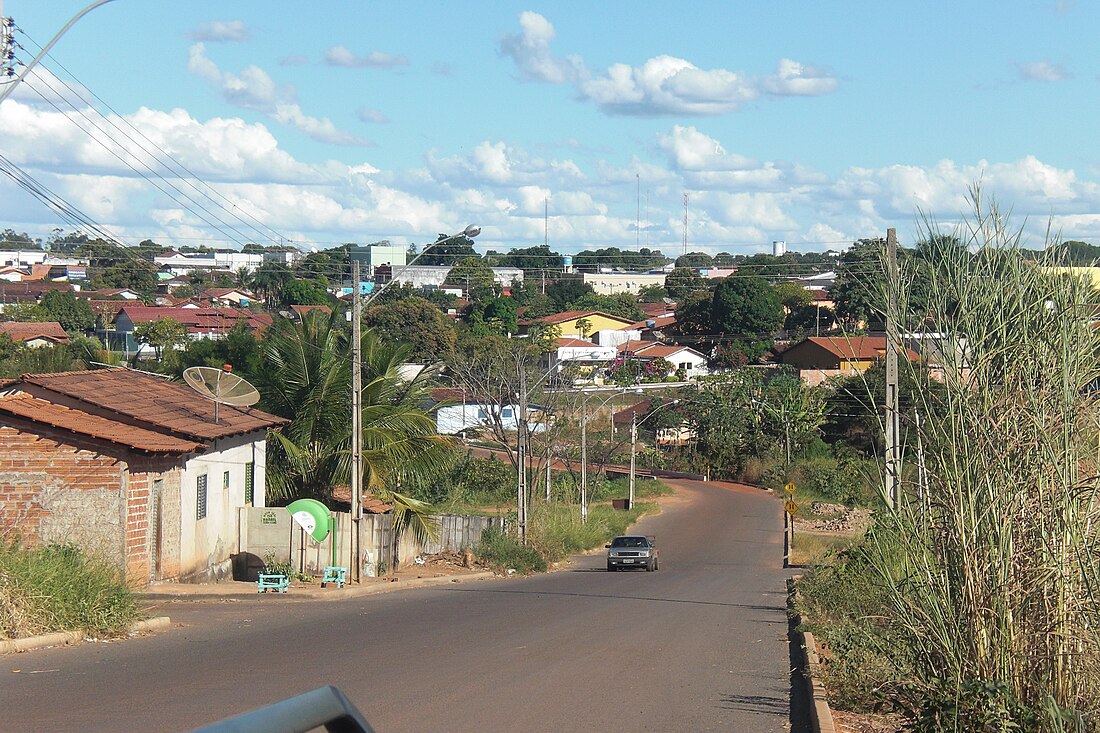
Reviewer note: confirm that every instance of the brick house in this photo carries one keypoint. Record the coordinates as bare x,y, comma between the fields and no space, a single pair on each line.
130,466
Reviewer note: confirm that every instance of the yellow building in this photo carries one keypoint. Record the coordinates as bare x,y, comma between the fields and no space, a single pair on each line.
567,323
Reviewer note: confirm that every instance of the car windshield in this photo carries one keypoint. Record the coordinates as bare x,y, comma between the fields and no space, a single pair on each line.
629,542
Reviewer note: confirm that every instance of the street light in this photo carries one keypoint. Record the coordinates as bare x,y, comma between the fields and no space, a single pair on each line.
584,449
634,423
468,233
357,392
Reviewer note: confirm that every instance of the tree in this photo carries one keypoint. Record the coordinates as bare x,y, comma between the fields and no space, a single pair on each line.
11,240
240,348
563,293
304,292
622,305
860,284
652,294
493,315
269,278
73,313
693,314
683,281
429,335
792,295
532,260
747,309
474,277
305,376
451,251
167,333
694,260
583,327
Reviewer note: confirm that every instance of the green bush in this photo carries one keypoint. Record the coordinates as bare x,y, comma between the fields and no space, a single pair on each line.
60,588
502,551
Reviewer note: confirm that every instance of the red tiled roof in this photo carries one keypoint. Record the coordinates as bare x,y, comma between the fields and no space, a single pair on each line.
197,320
27,407
566,341
653,349
301,310
23,332
657,309
859,348
817,295
28,292
155,403
222,292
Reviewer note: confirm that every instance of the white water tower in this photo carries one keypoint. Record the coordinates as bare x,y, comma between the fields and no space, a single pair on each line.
779,248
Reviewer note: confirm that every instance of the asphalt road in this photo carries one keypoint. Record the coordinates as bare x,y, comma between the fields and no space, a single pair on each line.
699,645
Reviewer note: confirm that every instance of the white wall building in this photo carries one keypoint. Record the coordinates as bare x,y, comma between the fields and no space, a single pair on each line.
610,283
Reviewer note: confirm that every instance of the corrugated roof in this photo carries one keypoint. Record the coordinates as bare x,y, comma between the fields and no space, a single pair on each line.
155,402
32,409
197,319
23,332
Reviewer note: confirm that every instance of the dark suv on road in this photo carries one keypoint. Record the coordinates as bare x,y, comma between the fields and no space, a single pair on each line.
633,551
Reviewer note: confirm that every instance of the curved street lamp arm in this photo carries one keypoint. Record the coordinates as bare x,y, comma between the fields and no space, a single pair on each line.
48,46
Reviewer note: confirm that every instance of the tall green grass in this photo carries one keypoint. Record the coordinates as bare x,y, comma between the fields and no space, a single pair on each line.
60,588
989,569
556,532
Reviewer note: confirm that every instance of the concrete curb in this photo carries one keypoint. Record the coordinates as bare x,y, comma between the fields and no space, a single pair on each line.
62,638
821,716
311,593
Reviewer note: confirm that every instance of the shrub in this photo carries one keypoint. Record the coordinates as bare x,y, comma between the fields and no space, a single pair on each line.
60,588
502,551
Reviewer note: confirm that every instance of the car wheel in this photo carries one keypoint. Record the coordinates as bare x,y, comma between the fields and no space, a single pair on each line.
650,567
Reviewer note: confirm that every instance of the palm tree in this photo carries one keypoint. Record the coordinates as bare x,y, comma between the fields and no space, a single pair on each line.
306,377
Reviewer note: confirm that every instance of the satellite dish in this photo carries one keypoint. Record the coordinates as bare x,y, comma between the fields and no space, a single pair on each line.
221,386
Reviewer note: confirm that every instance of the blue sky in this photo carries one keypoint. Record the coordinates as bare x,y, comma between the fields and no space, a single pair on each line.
814,123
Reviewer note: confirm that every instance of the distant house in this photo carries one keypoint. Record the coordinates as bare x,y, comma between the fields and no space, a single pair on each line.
585,355
110,294
300,311
14,293
820,357
567,322
682,435
209,323
693,363
655,328
34,335
457,412
131,467
228,297
12,274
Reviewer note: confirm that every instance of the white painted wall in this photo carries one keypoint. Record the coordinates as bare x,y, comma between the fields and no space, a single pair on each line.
206,544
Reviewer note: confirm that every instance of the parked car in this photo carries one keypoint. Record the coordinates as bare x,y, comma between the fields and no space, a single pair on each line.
633,551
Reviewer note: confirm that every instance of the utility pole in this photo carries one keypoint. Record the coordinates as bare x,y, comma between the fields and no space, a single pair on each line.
584,461
633,452
893,433
356,420
548,473
521,448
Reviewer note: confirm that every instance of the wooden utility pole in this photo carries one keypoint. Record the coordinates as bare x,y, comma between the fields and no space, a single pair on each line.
521,447
356,420
893,433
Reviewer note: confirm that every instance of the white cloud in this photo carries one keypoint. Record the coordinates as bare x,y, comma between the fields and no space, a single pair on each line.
1041,71
341,56
221,30
254,89
690,149
530,50
294,59
662,86
366,114
794,79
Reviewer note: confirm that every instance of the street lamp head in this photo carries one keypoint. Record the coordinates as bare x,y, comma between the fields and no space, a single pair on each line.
471,231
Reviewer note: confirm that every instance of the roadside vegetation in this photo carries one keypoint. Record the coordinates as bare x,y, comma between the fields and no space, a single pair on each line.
60,588
973,606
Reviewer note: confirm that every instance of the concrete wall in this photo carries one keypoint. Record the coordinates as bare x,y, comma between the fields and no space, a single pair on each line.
271,530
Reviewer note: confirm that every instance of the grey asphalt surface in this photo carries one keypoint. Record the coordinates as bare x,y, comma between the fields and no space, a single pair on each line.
699,645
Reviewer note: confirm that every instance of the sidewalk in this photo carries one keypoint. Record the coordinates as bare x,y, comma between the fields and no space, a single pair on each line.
243,590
